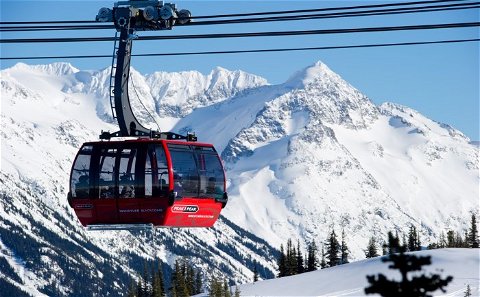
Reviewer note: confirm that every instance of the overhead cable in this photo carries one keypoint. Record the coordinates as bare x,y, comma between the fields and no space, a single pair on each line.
325,9
300,17
54,28
250,51
257,13
439,8
251,34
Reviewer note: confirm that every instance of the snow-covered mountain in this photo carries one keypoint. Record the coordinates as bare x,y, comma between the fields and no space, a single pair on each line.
302,157
314,152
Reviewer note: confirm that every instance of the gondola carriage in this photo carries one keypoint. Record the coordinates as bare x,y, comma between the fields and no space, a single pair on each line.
153,178
165,183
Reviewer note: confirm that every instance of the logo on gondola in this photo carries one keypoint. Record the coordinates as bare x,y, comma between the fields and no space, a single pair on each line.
185,208
83,206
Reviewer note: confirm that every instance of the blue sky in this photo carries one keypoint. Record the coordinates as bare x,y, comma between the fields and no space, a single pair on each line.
440,81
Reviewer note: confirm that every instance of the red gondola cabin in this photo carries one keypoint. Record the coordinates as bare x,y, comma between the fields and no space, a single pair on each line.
165,183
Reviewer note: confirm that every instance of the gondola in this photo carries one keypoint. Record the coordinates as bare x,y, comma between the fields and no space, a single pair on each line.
159,179
165,183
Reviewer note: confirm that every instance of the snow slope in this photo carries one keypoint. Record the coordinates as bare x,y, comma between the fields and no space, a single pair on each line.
350,279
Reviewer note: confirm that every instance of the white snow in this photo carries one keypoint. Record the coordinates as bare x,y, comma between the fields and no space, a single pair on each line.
350,279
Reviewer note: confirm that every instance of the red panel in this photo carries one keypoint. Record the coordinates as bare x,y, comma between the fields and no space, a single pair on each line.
153,210
190,212
96,211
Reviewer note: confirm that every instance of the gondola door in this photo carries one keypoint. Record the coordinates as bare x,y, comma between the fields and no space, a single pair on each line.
128,186
104,191
154,177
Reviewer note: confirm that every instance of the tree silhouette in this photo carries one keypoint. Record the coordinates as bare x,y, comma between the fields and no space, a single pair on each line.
371,248
312,260
299,257
333,249
468,291
281,262
416,286
472,236
344,252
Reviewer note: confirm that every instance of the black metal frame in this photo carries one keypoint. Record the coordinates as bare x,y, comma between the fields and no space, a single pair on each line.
127,20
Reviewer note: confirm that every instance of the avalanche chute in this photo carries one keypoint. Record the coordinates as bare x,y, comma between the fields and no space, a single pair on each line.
153,178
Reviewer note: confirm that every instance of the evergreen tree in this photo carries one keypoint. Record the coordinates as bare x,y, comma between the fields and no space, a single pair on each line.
333,249
393,243
144,287
417,286
419,243
140,289
442,242
216,288
198,282
179,285
291,258
451,242
158,284
237,291
189,278
323,262
132,290
226,289
459,242
282,263
299,256
255,271
384,249
468,291
404,241
343,249
371,251
312,260
472,237
412,244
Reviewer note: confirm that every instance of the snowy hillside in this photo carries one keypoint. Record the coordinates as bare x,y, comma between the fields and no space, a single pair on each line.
350,279
314,152
302,157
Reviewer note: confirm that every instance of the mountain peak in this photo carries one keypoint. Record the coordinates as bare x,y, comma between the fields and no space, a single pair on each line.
311,74
57,69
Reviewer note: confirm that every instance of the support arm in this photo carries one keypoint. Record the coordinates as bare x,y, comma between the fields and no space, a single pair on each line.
128,17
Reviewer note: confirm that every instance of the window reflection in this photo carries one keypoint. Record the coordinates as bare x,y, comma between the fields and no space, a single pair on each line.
198,172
